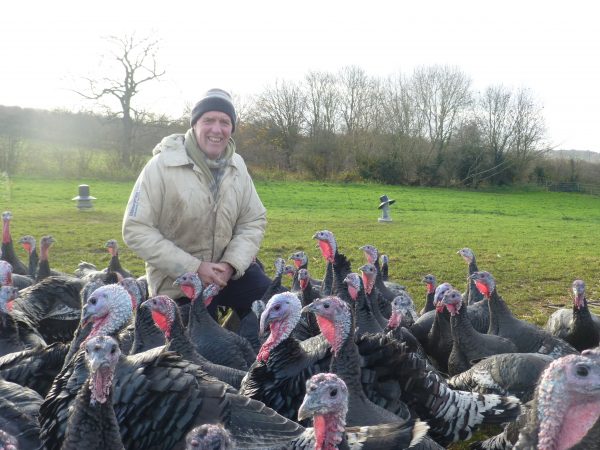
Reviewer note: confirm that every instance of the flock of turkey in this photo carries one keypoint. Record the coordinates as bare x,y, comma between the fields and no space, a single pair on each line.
87,361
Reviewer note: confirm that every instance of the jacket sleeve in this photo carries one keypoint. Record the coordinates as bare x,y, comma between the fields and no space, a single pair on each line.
248,232
140,226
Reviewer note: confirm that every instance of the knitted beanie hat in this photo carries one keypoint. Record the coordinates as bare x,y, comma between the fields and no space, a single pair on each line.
214,100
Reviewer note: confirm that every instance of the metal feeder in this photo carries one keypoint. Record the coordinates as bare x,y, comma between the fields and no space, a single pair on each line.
84,199
385,208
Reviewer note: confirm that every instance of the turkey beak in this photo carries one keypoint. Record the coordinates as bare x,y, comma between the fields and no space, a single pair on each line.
308,309
85,315
308,408
265,321
96,361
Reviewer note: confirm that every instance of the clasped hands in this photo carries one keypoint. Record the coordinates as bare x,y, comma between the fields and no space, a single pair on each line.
217,273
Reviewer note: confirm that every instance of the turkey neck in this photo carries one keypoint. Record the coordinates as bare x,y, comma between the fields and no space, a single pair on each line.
463,333
92,426
341,268
308,294
179,341
33,263
146,335
429,301
584,333
329,430
200,322
500,314
363,313
379,284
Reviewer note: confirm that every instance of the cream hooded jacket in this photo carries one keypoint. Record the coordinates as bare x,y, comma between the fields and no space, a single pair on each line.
173,223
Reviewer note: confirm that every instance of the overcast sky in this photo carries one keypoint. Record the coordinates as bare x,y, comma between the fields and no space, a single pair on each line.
551,47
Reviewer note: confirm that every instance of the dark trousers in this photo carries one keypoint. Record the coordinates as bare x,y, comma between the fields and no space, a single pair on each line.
239,294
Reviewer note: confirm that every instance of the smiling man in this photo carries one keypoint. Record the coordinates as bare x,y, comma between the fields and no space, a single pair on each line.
194,208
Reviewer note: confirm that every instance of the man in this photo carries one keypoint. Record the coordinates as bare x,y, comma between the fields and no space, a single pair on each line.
194,208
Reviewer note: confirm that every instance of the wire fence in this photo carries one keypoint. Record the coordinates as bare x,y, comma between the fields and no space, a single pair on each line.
564,186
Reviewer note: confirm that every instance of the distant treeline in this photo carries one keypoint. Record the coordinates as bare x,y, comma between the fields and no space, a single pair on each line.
427,129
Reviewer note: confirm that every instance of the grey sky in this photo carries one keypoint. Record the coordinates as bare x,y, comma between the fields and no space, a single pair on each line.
550,47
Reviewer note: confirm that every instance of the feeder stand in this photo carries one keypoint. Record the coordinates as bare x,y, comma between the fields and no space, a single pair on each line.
385,208
84,199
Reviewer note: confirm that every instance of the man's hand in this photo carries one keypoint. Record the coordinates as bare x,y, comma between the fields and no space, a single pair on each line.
218,273
225,270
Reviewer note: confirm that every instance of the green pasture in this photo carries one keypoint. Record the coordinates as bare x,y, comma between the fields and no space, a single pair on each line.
534,242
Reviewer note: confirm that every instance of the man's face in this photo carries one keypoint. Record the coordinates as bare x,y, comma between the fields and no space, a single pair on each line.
212,131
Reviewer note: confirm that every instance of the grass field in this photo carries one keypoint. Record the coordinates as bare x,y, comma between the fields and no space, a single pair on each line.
535,243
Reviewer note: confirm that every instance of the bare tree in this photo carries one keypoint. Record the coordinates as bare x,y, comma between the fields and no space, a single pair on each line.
322,100
136,64
513,130
282,108
358,98
402,118
440,94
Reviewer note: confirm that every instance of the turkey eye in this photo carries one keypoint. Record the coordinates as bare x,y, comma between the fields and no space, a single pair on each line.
333,393
277,307
113,349
326,305
582,371
92,301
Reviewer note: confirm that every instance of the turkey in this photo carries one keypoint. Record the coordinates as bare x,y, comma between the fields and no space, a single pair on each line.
372,257
279,374
29,244
431,281
52,306
472,295
468,345
452,415
114,265
439,339
381,306
578,326
504,374
7,252
26,328
146,335
326,402
209,437
527,337
34,368
397,326
8,441
9,330
365,317
338,265
158,396
88,271
137,294
208,337
44,270
300,259
337,325
403,310
167,317
566,405
307,326
19,408
92,422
